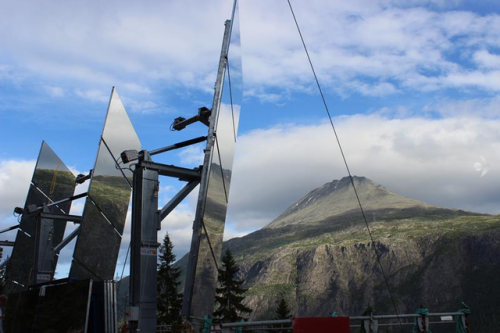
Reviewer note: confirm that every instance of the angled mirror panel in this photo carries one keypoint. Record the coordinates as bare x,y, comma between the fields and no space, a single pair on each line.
226,131
225,142
234,62
118,133
217,193
105,211
52,176
52,181
210,247
97,251
109,190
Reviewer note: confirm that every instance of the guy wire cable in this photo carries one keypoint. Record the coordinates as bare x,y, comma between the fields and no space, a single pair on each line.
124,264
377,254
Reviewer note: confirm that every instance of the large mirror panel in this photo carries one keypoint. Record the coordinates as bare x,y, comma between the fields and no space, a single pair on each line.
52,181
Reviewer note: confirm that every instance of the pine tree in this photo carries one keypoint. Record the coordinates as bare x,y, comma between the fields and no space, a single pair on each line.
2,272
169,299
229,294
282,312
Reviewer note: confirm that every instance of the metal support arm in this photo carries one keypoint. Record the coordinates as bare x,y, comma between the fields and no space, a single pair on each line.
178,145
61,217
75,197
34,208
81,178
171,170
133,155
6,243
202,116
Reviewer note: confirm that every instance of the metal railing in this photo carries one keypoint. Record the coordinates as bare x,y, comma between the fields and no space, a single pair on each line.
164,329
264,325
356,321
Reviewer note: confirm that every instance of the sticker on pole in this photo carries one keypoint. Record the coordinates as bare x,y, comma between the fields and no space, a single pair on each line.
149,251
43,277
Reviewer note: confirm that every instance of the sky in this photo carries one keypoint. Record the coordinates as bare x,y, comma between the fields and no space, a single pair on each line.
412,87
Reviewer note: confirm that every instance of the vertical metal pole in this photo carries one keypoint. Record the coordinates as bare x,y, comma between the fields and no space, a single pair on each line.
144,247
34,277
106,306
197,224
43,270
115,312
87,317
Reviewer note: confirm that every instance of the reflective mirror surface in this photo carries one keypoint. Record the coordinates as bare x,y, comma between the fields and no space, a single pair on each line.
109,189
52,181
118,135
215,205
105,211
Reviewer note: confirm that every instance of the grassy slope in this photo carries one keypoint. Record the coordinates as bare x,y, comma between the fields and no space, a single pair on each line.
386,231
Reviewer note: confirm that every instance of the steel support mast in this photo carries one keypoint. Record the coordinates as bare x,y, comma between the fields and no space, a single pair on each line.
146,217
197,224
146,221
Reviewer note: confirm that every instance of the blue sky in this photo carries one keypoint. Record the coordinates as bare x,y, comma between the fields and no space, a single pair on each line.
413,87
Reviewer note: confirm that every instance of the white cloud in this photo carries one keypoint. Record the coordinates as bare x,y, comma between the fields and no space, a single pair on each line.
374,48
486,59
192,155
7,73
93,95
377,89
487,81
111,43
422,158
480,107
229,233
385,44
55,91
427,159
15,178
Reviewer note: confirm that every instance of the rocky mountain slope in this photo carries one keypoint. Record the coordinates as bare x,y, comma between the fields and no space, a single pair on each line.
337,198
318,255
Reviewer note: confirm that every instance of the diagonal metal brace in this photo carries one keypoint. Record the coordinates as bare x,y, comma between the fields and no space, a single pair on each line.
176,200
66,241
10,228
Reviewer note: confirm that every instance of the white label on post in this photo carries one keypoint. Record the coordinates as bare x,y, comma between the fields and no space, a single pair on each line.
149,251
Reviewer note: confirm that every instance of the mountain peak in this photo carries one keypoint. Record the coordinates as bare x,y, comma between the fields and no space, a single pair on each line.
337,198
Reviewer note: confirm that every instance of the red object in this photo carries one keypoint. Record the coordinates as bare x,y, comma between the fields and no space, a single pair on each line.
125,328
322,325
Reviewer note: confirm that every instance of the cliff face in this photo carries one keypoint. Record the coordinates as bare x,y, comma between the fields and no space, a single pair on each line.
438,272
318,255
